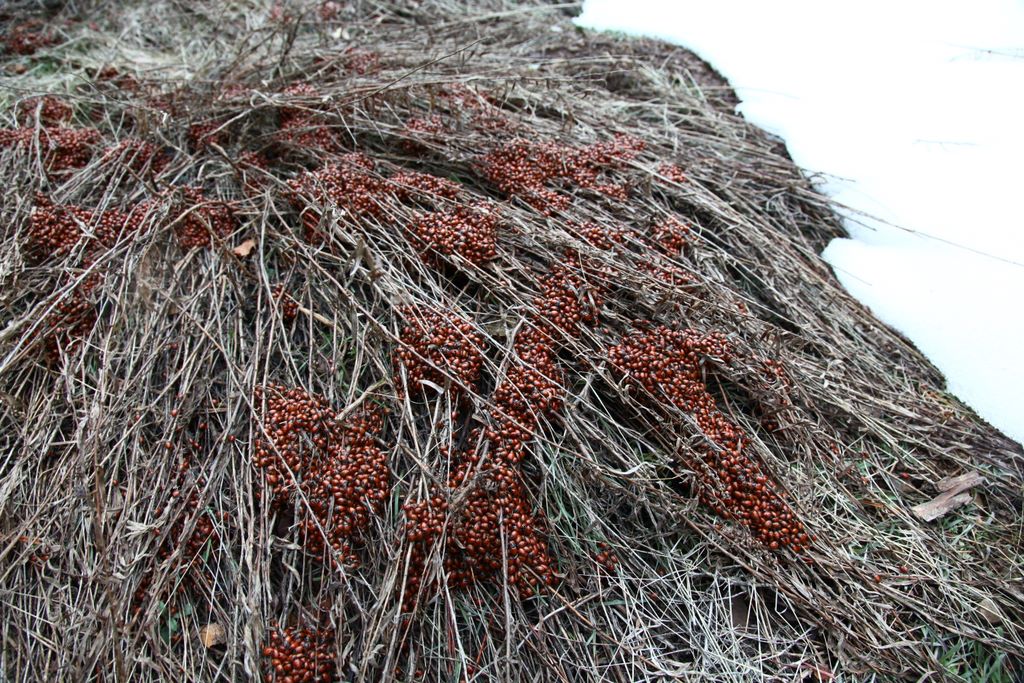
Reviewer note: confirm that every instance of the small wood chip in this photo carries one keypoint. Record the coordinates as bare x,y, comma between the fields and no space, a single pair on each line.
212,635
990,610
960,483
954,494
245,248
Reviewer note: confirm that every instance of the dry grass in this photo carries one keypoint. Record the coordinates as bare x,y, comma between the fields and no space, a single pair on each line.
182,338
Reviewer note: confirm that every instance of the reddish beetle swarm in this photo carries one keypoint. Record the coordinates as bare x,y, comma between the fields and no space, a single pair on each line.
670,236
437,346
525,169
50,110
351,185
201,220
54,230
186,502
667,365
138,156
423,187
288,305
303,126
299,655
672,173
495,531
28,37
342,474
61,148
468,231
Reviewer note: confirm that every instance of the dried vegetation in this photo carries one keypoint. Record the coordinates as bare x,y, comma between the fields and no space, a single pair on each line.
441,341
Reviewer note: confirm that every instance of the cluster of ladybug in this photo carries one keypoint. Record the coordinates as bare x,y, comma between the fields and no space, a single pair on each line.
65,148
110,75
445,350
422,131
337,468
438,348
110,226
185,504
192,531
567,300
522,168
69,323
672,173
493,530
302,126
493,527
606,557
669,273
137,156
490,119
200,220
53,230
667,365
774,372
36,550
60,148
499,531
526,169
361,61
598,236
774,375
297,654
288,305
670,236
422,188
28,37
351,185
354,186
254,170
484,110
533,385
49,110
329,10
532,389
202,135
470,232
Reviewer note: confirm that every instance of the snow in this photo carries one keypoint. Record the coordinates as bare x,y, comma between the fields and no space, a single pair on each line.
913,111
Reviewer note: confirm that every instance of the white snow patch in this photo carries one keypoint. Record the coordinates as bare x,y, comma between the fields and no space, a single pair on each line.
914,111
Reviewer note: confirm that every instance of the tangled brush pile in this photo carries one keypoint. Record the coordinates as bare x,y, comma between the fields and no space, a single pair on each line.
335,348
